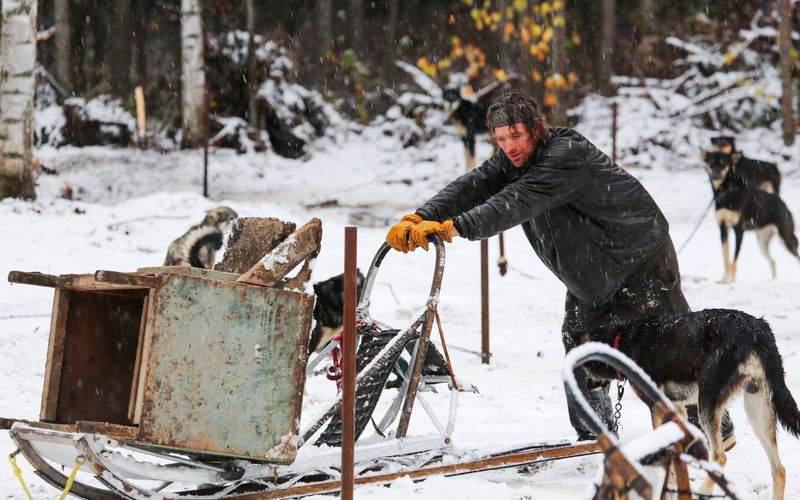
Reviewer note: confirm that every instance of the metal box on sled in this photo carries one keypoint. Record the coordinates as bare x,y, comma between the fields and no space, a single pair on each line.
177,358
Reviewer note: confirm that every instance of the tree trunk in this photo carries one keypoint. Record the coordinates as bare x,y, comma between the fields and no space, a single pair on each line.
605,54
17,84
252,83
355,23
560,67
648,21
63,46
119,52
391,35
143,7
193,77
787,115
324,13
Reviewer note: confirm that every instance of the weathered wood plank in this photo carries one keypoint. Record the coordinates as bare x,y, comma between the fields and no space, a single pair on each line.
114,431
250,239
55,355
137,363
128,279
301,245
190,271
72,281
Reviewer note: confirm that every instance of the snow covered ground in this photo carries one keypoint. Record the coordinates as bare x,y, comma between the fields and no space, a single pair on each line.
133,204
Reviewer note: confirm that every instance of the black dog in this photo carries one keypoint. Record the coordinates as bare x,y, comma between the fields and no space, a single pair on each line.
329,308
707,357
468,116
743,208
468,113
757,174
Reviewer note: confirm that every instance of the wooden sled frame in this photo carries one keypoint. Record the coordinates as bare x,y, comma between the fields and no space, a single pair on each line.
122,469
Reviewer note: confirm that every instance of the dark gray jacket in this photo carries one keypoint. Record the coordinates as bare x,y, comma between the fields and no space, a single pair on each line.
589,221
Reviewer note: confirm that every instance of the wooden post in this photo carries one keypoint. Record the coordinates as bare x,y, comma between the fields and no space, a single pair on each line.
485,354
614,131
141,116
349,361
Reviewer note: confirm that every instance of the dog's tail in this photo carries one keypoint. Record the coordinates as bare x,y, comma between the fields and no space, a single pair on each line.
783,402
186,249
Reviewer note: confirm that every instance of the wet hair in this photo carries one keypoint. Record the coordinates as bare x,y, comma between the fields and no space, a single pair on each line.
516,107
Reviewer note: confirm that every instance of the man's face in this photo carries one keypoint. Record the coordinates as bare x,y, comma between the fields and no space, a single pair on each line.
516,142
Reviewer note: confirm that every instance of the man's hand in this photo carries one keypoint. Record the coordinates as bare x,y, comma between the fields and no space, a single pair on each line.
398,236
420,232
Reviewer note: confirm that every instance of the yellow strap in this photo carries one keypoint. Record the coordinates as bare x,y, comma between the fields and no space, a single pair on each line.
71,478
18,472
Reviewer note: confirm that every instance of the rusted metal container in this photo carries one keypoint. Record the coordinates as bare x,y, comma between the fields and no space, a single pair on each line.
179,358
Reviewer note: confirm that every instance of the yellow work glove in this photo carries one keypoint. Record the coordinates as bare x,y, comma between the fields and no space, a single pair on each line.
420,232
397,237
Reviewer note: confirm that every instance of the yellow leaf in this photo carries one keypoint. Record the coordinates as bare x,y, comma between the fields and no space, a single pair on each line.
468,91
549,83
474,13
558,5
548,34
559,21
576,38
422,63
545,8
729,58
525,35
508,29
572,78
496,17
500,75
509,13
451,20
520,5
534,49
536,75
536,30
550,100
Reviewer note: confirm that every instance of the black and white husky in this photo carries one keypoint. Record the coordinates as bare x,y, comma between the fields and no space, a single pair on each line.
706,358
198,245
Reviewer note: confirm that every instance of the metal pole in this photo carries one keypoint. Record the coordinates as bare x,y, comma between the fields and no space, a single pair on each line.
485,354
349,362
614,131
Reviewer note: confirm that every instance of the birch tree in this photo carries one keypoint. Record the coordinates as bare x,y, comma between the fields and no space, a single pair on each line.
193,77
17,84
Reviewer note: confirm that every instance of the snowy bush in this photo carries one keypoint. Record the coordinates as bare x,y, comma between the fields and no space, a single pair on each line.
729,89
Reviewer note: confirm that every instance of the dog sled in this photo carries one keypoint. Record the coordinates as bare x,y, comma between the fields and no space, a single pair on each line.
181,383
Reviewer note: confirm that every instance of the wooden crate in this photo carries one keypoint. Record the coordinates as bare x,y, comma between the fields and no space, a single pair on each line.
179,358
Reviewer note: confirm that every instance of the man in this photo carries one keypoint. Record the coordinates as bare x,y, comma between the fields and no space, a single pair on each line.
592,224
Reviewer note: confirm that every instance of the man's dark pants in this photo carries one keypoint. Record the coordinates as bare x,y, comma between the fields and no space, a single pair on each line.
654,288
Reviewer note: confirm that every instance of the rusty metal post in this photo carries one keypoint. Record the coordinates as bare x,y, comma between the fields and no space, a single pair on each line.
485,354
349,361
614,131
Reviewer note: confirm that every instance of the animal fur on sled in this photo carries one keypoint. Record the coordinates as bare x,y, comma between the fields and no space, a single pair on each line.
197,247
